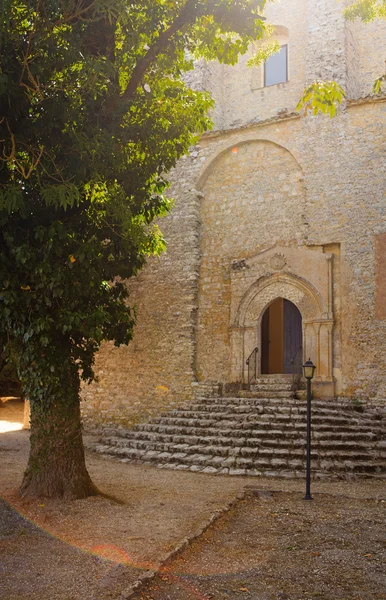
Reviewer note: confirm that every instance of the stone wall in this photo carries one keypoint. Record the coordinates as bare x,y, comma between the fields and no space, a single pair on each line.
254,197
156,369
258,181
340,206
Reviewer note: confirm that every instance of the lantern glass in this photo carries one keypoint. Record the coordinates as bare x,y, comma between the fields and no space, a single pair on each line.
309,369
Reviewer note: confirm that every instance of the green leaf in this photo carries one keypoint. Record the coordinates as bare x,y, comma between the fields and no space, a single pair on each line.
321,97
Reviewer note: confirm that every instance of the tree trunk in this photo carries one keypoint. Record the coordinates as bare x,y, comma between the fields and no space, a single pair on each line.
26,414
56,466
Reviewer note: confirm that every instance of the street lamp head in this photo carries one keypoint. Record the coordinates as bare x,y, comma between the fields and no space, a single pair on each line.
309,369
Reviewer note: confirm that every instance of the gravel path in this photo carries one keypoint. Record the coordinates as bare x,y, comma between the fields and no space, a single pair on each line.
279,547
96,548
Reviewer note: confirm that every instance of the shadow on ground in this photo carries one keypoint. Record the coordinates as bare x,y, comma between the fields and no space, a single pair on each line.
35,565
279,547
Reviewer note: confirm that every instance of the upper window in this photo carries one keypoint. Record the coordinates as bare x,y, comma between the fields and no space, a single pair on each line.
276,67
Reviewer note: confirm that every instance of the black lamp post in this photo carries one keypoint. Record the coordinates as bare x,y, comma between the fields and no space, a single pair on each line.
309,370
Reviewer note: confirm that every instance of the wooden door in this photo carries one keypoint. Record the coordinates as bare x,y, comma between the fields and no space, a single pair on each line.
292,338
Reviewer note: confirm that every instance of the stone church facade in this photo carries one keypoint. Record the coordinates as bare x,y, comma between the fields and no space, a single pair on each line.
277,241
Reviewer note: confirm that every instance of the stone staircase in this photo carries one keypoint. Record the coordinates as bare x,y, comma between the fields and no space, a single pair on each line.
259,432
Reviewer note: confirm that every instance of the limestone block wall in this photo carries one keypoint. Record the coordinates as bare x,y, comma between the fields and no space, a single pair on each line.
241,93
353,31
307,182
348,185
156,369
260,180
340,205
253,198
326,41
371,57
321,45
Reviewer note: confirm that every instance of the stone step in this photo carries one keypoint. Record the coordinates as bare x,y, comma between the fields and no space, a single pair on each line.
249,429
199,461
188,453
258,436
262,438
272,379
271,387
192,419
286,405
266,393
316,403
246,414
239,405
257,445
182,451
359,440
355,433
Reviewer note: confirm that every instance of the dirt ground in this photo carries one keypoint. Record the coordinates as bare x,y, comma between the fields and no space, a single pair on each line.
281,547
94,549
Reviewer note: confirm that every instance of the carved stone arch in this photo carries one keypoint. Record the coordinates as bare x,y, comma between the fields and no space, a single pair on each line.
316,320
279,285
280,31
238,142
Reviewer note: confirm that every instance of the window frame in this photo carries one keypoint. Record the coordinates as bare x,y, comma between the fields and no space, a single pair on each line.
286,69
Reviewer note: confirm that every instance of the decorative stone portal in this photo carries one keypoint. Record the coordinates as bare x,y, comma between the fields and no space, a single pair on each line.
281,338
300,276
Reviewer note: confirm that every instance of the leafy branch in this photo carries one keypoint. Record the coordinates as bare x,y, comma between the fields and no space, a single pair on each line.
31,160
264,52
366,10
321,96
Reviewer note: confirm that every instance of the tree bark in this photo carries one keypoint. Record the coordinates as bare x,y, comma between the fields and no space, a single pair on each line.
26,414
56,466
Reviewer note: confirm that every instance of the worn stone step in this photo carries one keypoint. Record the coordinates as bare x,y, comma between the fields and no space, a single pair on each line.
201,458
259,436
189,417
215,411
294,468
263,436
284,386
225,438
206,449
291,403
160,451
363,435
272,380
261,421
266,393
241,405
249,437
340,450
333,405
262,463
263,431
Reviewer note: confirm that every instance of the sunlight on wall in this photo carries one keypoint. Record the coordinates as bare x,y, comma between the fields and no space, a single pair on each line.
6,426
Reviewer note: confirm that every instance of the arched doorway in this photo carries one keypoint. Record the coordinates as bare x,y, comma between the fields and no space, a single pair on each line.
281,338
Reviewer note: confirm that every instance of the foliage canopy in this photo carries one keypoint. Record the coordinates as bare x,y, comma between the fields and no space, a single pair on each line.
93,113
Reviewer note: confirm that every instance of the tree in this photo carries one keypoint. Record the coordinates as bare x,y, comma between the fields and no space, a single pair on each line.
93,114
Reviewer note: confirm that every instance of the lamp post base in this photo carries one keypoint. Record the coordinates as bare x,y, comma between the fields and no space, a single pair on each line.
308,497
